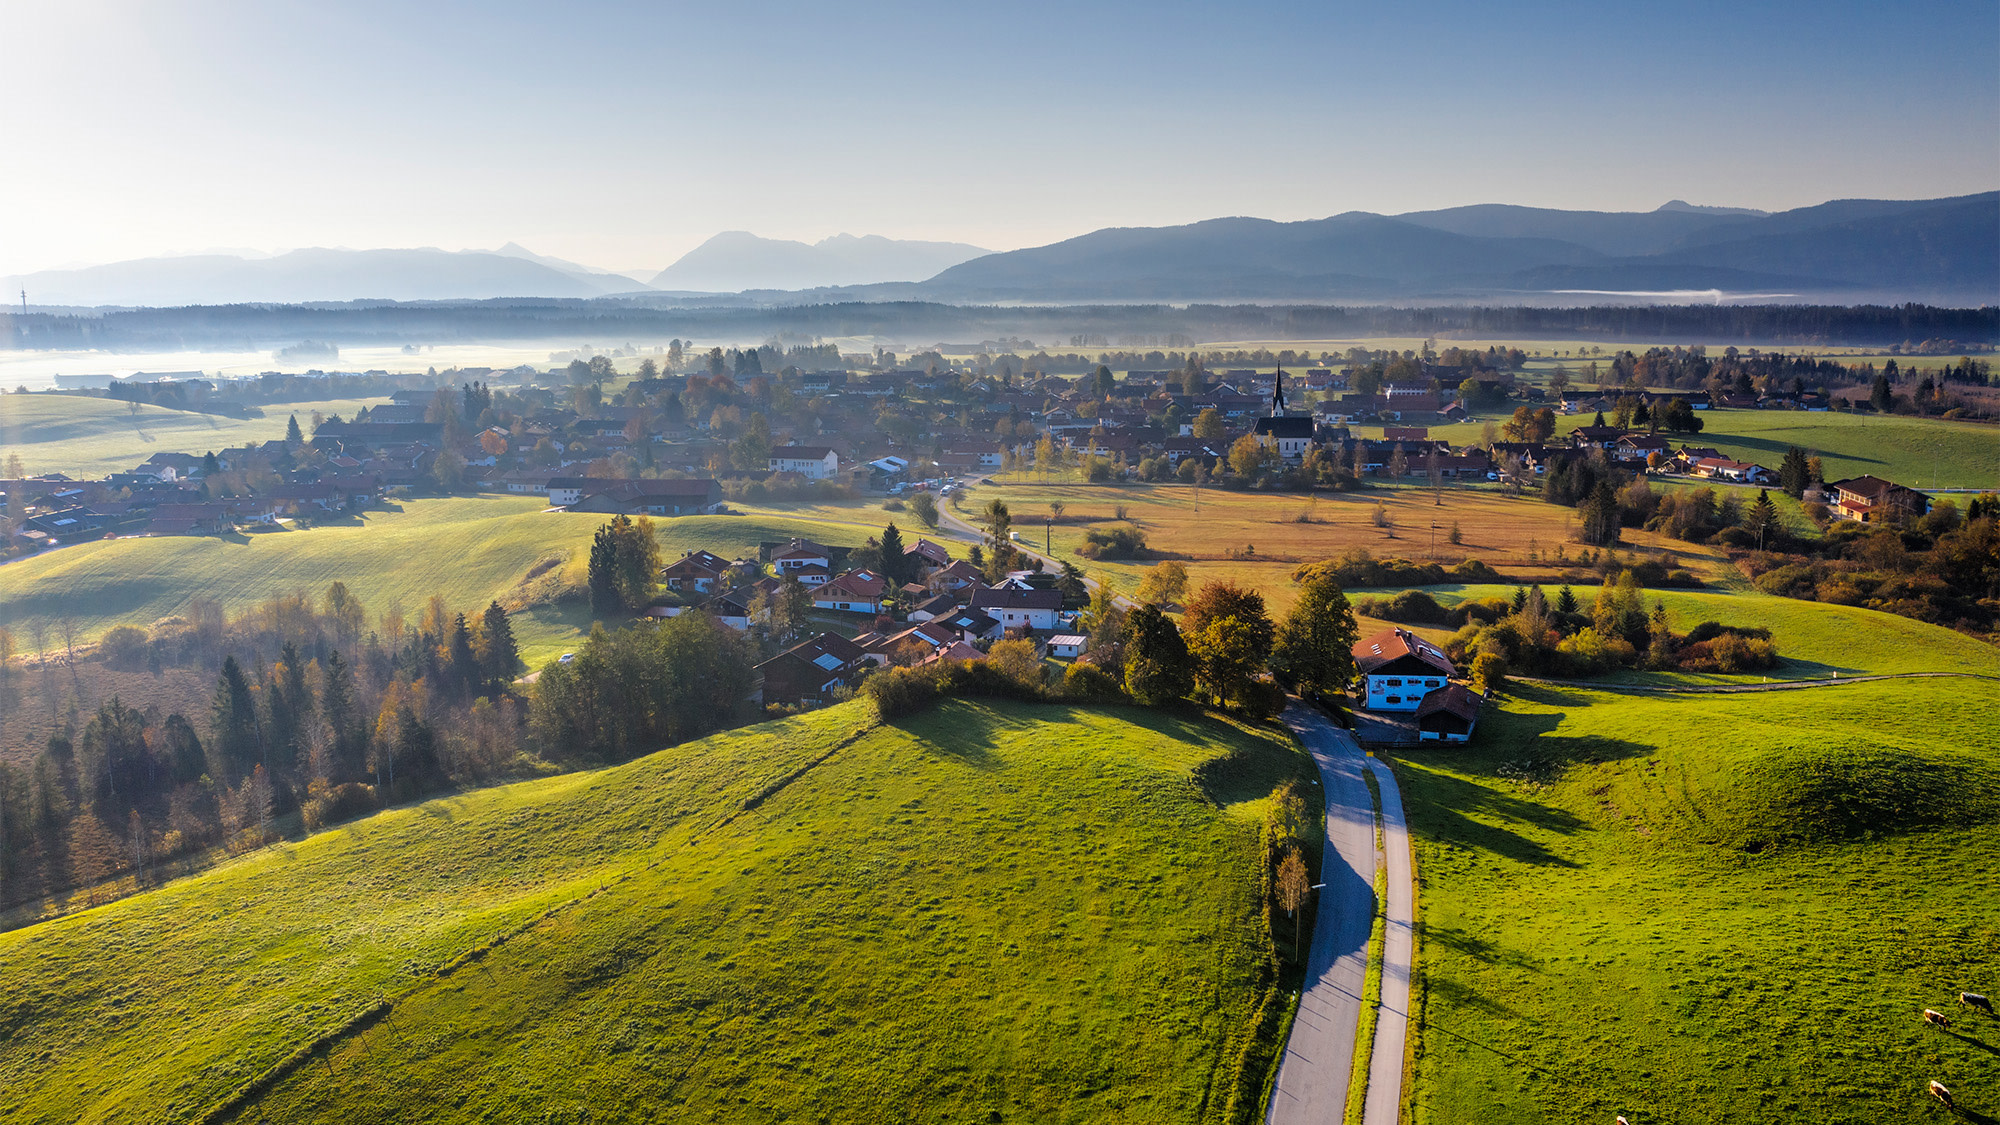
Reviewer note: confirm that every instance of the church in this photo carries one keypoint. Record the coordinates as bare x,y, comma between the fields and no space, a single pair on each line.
1291,435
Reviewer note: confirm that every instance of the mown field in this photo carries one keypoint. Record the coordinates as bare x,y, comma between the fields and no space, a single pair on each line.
471,550
89,437
984,913
1919,452
1257,538
1708,908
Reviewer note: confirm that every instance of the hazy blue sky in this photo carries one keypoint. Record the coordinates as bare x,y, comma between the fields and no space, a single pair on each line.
623,134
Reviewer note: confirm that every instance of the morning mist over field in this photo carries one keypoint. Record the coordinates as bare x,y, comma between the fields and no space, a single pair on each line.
1256,564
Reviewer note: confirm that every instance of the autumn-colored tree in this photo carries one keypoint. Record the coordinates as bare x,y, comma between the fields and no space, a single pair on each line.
1230,635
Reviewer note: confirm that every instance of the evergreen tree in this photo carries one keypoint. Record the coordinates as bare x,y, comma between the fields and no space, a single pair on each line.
1565,600
896,562
1880,396
1158,666
1793,473
1601,526
461,665
604,595
233,722
293,435
499,655
336,700
1762,520
181,748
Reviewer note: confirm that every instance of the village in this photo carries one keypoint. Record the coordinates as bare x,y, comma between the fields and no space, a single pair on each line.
677,444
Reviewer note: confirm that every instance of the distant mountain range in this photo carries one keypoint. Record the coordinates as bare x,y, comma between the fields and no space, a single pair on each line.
1941,251
736,261
319,275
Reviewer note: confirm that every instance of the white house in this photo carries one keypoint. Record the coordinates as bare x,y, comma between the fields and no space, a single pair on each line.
1399,668
1016,608
814,462
1067,645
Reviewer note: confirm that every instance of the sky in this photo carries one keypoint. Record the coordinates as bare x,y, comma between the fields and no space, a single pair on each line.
624,134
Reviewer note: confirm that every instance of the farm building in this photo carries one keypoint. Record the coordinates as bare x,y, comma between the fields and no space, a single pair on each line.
1399,668
1448,714
1870,499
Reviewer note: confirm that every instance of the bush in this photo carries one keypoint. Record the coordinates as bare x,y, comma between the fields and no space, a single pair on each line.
1262,699
1090,682
1709,630
332,804
1114,543
124,647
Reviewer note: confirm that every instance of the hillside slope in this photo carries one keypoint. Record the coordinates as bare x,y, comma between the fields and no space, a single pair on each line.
1712,908
989,912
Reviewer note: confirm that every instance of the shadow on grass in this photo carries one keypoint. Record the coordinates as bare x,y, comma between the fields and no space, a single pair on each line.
1455,995
1478,948
1443,806
1976,1044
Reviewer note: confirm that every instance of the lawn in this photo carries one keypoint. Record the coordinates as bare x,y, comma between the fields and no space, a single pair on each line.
987,912
1919,452
471,550
1708,908
89,437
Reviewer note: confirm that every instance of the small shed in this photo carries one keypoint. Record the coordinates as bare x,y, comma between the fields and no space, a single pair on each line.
1067,645
1448,714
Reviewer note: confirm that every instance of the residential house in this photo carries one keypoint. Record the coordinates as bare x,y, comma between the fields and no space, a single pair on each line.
1398,668
1873,500
694,572
1741,472
648,497
1019,609
972,625
935,606
809,671
857,591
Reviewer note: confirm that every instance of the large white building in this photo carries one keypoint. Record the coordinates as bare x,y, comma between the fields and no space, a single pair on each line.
815,462
1399,668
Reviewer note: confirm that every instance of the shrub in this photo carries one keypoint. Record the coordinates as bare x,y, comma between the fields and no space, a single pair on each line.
124,647
1709,630
1113,543
332,804
1088,681
1489,671
1261,699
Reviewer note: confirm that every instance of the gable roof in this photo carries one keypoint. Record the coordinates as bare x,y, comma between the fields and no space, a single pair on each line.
1387,647
1455,698
1008,597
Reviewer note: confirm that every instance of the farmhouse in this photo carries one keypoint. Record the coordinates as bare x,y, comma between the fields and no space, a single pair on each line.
1448,714
648,497
1872,499
1399,668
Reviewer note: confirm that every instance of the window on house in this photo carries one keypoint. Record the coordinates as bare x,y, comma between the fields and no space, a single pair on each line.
1393,699
1395,683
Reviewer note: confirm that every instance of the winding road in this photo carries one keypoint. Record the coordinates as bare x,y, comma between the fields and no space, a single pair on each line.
1314,1074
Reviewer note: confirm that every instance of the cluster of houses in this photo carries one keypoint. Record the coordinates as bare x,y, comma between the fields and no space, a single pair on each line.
948,613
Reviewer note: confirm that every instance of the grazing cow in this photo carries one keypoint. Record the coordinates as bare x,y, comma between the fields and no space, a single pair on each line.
1942,1095
1976,1000
1932,1015
1622,1121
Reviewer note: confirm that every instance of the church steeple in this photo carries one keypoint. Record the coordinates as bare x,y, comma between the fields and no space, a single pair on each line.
1278,395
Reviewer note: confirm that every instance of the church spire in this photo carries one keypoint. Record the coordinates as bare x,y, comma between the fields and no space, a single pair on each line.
1278,394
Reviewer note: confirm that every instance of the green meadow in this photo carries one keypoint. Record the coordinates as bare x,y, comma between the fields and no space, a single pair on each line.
471,550
1708,908
89,437
988,912
1919,452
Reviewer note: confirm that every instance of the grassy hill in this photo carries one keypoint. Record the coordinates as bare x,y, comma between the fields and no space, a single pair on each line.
1709,908
988,912
89,437
471,550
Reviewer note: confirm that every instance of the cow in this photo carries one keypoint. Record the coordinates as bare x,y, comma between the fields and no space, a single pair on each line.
1932,1015
1622,1121
1942,1095
1976,1000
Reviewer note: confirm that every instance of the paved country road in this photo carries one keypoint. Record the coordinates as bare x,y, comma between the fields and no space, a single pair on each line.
1313,1075
1392,1021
